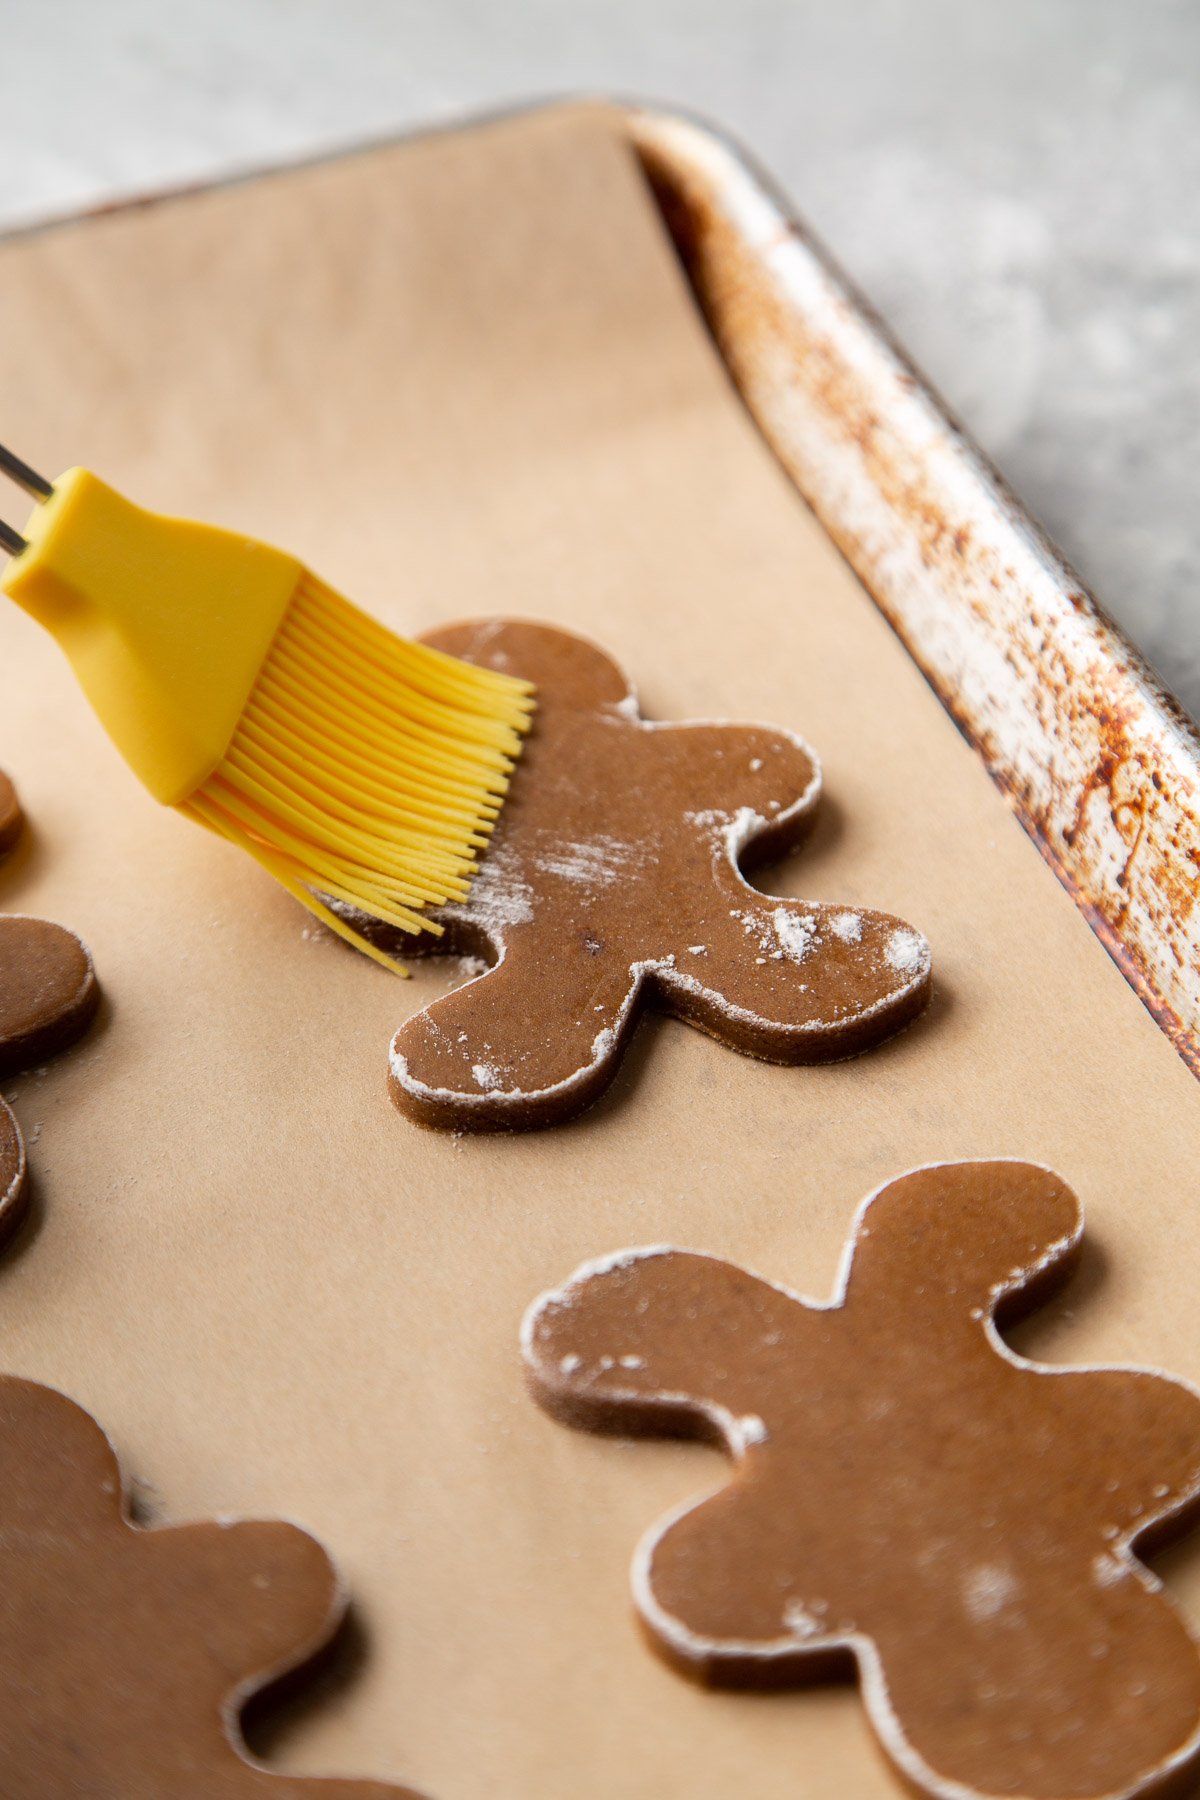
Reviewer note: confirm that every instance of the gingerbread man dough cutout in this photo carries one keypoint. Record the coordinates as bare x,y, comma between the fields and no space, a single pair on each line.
613,878
910,1497
127,1654
48,998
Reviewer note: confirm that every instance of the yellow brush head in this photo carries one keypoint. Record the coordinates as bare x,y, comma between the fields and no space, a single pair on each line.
365,767
348,762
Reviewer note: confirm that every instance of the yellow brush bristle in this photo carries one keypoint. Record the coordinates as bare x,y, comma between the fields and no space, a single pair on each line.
365,768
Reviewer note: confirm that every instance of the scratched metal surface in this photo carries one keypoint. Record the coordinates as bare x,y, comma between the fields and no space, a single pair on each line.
1097,761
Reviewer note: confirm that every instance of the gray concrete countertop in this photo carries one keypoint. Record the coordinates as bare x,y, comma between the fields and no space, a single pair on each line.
1014,183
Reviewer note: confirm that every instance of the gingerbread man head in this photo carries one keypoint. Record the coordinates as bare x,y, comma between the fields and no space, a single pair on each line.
615,879
910,1498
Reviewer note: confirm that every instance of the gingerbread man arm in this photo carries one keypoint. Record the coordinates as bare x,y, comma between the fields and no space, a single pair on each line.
1139,1456
259,1596
662,1342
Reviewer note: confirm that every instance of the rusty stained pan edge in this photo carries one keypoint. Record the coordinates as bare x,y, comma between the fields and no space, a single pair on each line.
1096,759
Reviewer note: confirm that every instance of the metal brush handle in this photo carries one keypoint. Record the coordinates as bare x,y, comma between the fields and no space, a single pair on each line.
32,482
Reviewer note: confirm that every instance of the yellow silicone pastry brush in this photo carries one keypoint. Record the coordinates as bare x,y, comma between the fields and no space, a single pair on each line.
356,767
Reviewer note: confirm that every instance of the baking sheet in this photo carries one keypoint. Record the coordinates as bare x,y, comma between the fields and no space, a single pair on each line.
464,376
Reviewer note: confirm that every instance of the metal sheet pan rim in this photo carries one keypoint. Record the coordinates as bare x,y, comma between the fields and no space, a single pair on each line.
1096,758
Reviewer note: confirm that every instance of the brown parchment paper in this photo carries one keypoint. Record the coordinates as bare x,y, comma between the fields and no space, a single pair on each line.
459,376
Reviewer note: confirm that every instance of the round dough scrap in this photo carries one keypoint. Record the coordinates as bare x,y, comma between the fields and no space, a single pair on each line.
11,817
48,991
12,1173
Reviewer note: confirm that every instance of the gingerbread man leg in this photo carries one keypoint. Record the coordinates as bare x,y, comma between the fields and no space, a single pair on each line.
484,1058
1056,1684
792,981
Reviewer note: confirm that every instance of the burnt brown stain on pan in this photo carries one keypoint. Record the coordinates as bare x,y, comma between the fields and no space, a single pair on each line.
1092,699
